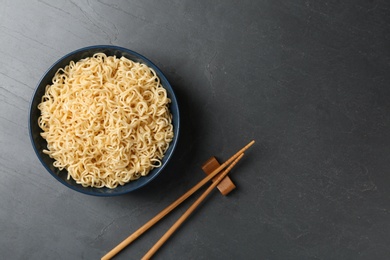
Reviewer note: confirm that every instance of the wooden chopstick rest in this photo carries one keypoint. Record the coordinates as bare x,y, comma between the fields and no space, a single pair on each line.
226,185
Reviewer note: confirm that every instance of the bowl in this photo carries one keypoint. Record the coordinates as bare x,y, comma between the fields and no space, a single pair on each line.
39,143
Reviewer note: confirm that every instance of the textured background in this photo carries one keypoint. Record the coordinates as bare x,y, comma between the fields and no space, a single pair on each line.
308,80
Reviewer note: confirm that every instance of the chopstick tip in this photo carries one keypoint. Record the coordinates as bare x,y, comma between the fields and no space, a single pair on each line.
250,143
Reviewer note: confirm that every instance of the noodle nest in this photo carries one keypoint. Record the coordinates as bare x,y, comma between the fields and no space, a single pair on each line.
106,120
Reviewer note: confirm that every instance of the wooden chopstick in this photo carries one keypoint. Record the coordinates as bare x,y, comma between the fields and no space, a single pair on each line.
168,209
189,211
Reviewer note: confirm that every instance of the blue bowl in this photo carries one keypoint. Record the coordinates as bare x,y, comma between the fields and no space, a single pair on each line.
39,143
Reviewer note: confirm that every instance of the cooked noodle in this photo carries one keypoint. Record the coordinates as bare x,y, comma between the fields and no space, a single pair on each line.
106,120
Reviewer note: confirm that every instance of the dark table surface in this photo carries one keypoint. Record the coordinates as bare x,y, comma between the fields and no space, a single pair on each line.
308,80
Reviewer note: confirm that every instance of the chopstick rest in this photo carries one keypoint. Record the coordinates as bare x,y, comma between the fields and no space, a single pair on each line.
226,185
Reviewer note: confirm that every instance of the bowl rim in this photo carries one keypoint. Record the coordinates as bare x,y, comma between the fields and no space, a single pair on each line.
176,130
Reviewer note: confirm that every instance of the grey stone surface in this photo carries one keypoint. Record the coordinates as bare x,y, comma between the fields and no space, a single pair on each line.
308,80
